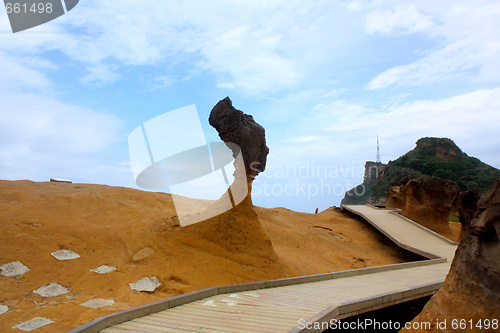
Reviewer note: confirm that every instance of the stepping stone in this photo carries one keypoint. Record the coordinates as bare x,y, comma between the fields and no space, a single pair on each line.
33,324
209,303
65,255
3,309
51,290
14,268
146,284
143,254
98,303
104,269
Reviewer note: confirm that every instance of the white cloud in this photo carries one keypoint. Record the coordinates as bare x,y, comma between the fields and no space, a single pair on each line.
251,59
399,19
17,76
341,134
464,32
257,47
346,116
47,124
355,5
470,119
260,48
162,82
41,136
452,61
307,138
226,85
100,74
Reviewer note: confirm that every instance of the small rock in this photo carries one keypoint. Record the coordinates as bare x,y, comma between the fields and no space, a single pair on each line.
146,284
104,269
143,254
59,180
51,290
14,268
65,255
3,309
98,303
33,324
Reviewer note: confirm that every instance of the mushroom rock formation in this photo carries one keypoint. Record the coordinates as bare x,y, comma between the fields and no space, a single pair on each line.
238,231
427,201
471,291
239,128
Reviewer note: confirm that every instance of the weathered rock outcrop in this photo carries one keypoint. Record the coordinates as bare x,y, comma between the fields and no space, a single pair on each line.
234,126
466,205
439,157
471,291
427,201
442,148
238,228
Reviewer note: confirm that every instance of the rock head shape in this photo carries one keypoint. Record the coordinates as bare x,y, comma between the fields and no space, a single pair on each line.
234,126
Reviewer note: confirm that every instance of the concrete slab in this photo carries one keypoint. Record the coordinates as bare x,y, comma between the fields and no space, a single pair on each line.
51,290
104,269
3,309
210,302
65,255
15,268
33,324
98,303
149,284
143,254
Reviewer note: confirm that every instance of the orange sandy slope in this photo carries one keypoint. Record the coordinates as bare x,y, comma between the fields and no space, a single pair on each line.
138,233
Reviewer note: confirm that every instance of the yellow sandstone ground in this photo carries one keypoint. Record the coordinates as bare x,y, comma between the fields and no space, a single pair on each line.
138,233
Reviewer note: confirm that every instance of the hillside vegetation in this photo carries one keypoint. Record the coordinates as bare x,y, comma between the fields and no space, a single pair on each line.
439,157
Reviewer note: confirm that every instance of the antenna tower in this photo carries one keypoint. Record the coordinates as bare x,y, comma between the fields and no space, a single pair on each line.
378,152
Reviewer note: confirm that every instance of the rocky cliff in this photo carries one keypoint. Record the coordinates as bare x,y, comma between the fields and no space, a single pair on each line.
439,157
469,299
362,193
427,201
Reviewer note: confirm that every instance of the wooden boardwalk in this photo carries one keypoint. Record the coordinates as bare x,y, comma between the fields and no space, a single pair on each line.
287,305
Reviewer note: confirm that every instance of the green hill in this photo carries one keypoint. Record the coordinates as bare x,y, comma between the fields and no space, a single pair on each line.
439,157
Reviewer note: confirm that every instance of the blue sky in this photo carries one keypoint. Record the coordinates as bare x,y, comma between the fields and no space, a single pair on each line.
322,77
